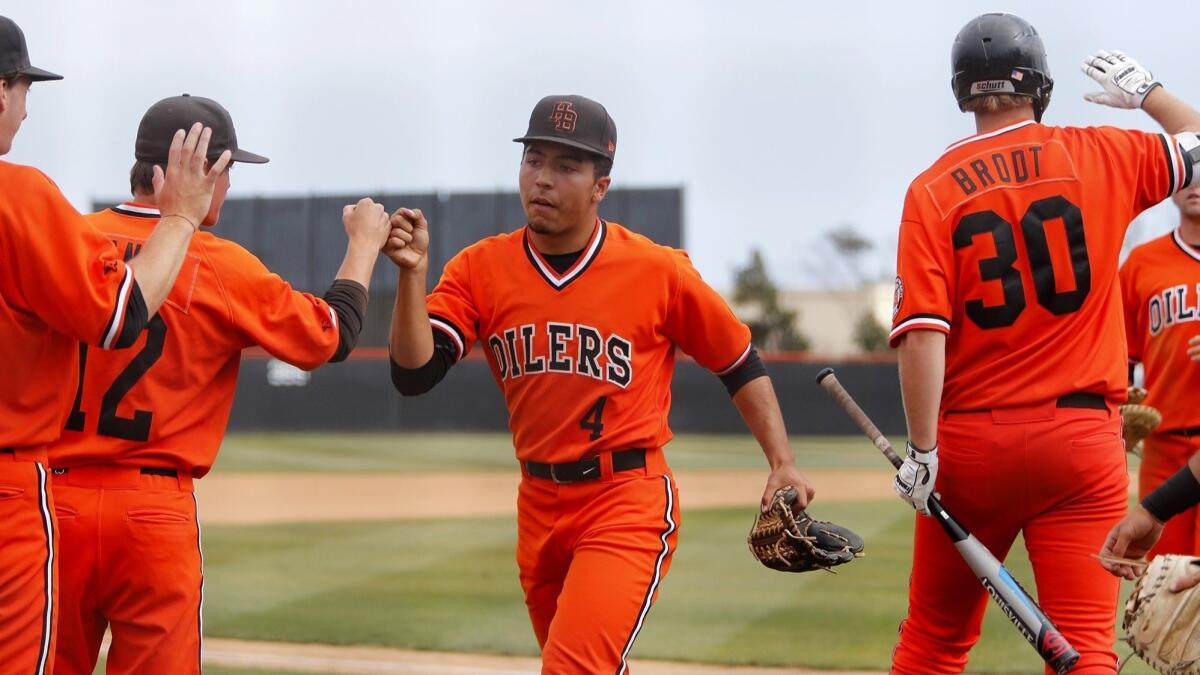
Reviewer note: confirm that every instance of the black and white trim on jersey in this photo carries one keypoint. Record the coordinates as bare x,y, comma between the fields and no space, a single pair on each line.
48,617
560,281
736,363
669,521
990,134
116,322
933,321
456,336
1182,152
1187,248
137,211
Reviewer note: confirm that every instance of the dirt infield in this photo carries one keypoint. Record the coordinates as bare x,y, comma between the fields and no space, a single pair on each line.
259,498
330,659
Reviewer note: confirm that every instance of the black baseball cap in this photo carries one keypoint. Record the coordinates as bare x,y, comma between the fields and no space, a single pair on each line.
14,54
575,121
169,115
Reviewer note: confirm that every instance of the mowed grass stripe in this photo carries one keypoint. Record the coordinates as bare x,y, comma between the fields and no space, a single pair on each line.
452,586
319,452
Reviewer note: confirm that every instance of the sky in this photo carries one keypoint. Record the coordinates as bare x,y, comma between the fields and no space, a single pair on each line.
780,120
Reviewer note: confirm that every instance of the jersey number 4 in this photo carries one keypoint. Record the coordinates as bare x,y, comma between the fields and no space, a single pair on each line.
593,419
1037,248
136,428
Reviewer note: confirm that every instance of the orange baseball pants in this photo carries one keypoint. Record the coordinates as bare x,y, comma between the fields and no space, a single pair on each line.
1057,475
130,560
1162,456
28,567
592,556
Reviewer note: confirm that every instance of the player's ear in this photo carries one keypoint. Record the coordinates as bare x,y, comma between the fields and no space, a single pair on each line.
5,89
600,189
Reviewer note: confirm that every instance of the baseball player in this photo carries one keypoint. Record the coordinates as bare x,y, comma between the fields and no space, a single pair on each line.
1008,325
1159,283
580,318
148,421
61,281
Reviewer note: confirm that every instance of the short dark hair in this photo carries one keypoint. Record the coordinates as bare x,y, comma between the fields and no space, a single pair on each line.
603,166
141,178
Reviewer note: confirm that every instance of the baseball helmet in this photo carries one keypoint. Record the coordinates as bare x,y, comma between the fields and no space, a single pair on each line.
1000,54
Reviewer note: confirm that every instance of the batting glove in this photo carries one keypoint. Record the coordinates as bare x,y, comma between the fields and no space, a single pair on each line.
916,476
1126,82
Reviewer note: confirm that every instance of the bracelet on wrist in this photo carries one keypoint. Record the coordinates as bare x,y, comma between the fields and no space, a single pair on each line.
195,227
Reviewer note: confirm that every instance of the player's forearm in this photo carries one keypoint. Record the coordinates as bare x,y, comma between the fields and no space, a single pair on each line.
158,263
411,339
922,357
759,407
1172,113
359,262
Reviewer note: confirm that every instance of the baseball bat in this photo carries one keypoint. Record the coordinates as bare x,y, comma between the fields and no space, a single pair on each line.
1013,600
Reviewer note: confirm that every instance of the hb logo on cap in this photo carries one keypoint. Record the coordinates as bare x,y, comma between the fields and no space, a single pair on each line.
564,117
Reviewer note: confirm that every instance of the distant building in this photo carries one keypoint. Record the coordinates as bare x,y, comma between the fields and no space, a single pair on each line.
828,317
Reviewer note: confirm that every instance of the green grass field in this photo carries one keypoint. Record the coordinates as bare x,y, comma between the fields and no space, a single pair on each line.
452,584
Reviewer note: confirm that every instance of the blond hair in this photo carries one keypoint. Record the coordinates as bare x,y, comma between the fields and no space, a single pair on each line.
994,103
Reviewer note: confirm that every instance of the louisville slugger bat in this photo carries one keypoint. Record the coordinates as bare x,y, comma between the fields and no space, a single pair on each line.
1017,605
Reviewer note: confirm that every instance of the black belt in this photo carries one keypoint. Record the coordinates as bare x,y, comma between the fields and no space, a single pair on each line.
145,470
587,468
1189,431
8,450
1076,399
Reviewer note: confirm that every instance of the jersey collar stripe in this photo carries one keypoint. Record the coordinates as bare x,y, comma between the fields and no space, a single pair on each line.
997,132
118,316
48,614
449,329
131,209
1184,246
200,609
585,260
1171,148
737,363
928,320
668,518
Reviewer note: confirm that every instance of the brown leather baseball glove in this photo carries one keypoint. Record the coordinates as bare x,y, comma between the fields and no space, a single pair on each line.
785,538
1137,420
1162,627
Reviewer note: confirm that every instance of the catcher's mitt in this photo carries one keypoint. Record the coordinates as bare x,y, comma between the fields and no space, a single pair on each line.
1164,627
1137,420
785,538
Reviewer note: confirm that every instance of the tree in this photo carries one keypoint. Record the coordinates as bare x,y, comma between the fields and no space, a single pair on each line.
772,327
869,334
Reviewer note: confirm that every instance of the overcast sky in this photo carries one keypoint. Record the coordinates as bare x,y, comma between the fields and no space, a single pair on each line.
780,119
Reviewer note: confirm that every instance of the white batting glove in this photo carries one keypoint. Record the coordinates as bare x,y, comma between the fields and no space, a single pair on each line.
916,476
1126,82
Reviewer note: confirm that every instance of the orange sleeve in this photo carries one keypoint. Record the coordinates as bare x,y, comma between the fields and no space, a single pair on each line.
61,268
924,265
451,305
700,322
1149,167
292,326
1131,303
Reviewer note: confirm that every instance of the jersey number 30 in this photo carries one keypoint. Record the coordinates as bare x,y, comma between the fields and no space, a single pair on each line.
1000,267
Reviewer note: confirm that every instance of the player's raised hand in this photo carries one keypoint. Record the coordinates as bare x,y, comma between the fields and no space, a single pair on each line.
366,222
1193,351
1126,82
187,188
1130,540
788,474
408,243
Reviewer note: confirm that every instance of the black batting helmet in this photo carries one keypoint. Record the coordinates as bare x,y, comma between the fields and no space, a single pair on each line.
1000,54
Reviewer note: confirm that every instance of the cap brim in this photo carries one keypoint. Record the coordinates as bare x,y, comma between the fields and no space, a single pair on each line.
39,75
248,157
562,141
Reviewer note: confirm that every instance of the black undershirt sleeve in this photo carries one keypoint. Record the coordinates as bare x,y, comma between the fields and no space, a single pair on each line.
349,301
136,318
751,369
417,381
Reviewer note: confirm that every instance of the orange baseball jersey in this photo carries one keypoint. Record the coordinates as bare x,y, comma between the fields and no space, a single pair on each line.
166,401
1160,286
1009,243
61,282
585,358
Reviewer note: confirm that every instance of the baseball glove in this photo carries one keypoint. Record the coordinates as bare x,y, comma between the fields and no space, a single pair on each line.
1137,420
1162,627
785,538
